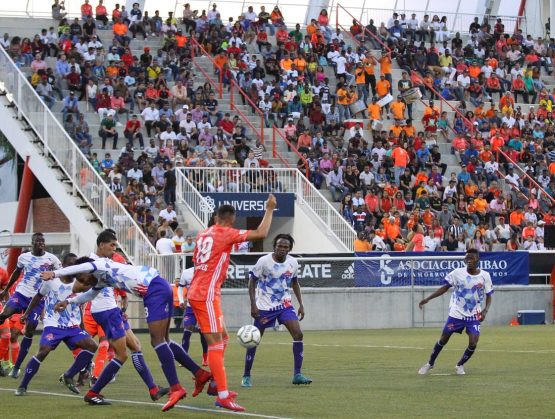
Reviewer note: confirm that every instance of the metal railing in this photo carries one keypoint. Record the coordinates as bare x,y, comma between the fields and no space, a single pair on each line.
366,31
235,88
517,167
86,181
243,180
456,21
188,195
277,134
218,86
170,266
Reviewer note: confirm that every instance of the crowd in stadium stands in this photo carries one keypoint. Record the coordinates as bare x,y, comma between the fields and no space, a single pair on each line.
392,184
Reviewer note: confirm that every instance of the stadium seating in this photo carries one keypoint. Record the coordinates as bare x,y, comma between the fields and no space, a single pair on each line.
468,121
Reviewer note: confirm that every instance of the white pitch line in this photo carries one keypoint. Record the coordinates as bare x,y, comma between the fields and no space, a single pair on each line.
193,408
515,351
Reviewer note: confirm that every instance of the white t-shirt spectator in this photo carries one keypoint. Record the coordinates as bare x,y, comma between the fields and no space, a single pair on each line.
165,246
135,174
169,216
165,136
341,64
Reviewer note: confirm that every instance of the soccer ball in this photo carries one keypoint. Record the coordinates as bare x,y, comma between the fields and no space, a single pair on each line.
248,336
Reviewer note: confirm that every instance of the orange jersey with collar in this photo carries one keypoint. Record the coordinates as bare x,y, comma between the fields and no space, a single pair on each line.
211,258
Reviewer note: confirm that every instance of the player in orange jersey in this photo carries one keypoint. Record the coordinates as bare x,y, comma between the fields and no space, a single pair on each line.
211,258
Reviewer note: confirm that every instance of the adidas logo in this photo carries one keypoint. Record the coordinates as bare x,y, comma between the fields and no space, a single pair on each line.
349,273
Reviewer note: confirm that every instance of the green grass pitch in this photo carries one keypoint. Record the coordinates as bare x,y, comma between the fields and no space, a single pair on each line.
357,374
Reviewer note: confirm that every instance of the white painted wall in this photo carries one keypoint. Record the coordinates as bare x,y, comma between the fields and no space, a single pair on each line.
380,308
306,233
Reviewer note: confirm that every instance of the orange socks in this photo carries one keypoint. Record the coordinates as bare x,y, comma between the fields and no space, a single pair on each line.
216,365
15,351
4,344
101,357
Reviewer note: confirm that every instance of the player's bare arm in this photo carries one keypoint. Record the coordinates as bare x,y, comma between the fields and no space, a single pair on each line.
252,295
438,293
34,302
264,228
13,278
486,309
47,275
297,290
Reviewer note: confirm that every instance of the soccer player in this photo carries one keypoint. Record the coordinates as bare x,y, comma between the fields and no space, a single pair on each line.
146,283
211,258
32,264
59,326
109,321
470,286
189,319
270,282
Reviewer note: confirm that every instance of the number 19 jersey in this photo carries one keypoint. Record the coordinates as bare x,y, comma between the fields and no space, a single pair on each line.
211,258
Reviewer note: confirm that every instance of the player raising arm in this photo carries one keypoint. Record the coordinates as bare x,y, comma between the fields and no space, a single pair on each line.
470,286
269,290
31,264
211,258
59,327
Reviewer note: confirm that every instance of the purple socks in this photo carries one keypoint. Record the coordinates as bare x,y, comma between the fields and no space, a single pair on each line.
298,355
165,356
249,360
143,370
26,343
30,370
80,362
108,373
435,352
466,356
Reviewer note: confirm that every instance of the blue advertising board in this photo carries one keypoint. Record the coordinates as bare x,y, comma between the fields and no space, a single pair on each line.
394,269
253,204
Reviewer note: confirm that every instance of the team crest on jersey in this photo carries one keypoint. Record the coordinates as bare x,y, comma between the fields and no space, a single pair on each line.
49,336
479,286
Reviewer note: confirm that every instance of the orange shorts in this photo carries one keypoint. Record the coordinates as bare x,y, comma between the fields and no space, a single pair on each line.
92,327
15,322
209,315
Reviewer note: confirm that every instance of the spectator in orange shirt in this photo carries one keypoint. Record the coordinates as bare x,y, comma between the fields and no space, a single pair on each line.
493,85
529,231
101,14
382,89
516,218
120,30
400,161
497,141
221,59
86,10
375,114
398,108
361,243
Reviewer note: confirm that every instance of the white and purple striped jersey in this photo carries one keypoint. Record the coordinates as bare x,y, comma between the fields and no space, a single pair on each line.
32,267
55,291
133,279
184,282
106,299
274,281
469,292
